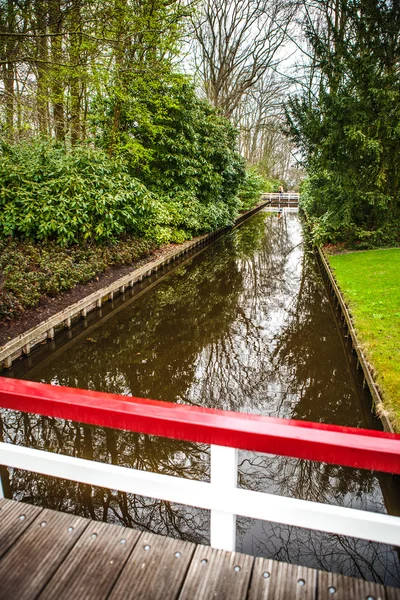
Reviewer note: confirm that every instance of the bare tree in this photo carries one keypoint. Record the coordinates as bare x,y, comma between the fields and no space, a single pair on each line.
237,41
259,111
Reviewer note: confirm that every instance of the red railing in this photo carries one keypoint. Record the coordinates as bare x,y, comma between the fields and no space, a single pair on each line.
347,446
226,432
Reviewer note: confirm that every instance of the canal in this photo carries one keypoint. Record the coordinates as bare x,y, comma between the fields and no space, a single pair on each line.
246,325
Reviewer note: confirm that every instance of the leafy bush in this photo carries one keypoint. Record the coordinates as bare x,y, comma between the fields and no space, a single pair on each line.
175,173
49,193
251,189
187,156
272,185
10,306
32,270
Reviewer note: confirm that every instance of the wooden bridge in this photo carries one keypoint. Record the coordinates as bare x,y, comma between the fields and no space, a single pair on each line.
45,554
287,200
50,555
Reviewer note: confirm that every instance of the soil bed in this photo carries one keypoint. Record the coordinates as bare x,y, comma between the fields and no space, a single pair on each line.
49,306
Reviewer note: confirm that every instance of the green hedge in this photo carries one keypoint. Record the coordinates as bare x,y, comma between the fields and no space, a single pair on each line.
47,192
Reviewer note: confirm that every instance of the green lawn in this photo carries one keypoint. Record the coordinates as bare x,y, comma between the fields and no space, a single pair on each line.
370,282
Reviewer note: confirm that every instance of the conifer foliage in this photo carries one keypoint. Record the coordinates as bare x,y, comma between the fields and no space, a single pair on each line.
347,122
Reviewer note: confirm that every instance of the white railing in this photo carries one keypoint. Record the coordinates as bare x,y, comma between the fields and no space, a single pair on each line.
287,198
221,495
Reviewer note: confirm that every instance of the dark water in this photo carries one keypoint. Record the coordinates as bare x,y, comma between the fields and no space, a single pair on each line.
245,326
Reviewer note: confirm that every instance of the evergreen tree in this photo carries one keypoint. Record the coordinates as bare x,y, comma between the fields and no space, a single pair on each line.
347,123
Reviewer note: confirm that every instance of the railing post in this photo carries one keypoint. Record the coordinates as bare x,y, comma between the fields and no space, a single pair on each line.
223,478
1,482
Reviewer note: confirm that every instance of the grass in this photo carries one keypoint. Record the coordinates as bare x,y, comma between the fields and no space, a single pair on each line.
370,283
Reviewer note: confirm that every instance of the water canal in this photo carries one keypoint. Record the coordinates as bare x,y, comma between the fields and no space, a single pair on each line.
246,325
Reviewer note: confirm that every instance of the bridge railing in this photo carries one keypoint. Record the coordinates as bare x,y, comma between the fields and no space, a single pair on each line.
226,432
287,198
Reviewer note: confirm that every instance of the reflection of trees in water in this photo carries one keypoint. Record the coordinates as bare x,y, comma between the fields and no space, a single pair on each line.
236,368
138,451
245,326
308,480
357,558
310,349
282,355
151,349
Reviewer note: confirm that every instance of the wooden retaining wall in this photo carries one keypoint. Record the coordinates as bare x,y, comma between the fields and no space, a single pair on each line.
362,362
25,342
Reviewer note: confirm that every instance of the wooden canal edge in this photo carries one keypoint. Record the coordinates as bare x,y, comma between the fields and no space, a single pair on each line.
26,341
340,304
355,344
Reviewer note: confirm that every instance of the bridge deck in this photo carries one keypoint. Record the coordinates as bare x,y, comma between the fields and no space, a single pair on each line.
47,554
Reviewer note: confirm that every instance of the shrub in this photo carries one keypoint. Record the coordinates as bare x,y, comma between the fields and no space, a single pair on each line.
338,224
174,173
48,193
32,270
188,156
251,189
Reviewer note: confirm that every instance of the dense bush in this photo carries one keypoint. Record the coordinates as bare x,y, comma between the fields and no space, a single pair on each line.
251,188
173,172
272,185
337,223
47,192
181,217
32,270
183,151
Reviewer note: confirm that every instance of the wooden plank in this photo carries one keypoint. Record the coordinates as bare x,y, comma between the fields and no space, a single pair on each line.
15,518
392,593
155,570
332,586
217,574
70,557
94,563
33,559
272,580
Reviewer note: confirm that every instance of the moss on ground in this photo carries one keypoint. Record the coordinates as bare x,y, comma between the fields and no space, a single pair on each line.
370,283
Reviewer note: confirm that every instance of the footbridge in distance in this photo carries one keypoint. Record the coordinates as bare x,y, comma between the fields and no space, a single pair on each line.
289,201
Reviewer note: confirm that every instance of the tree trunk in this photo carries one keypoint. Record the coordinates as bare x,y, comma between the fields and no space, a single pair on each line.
8,79
57,87
75,80
41,67
9,70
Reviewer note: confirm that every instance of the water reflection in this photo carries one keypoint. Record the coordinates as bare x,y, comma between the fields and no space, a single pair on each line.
244,326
